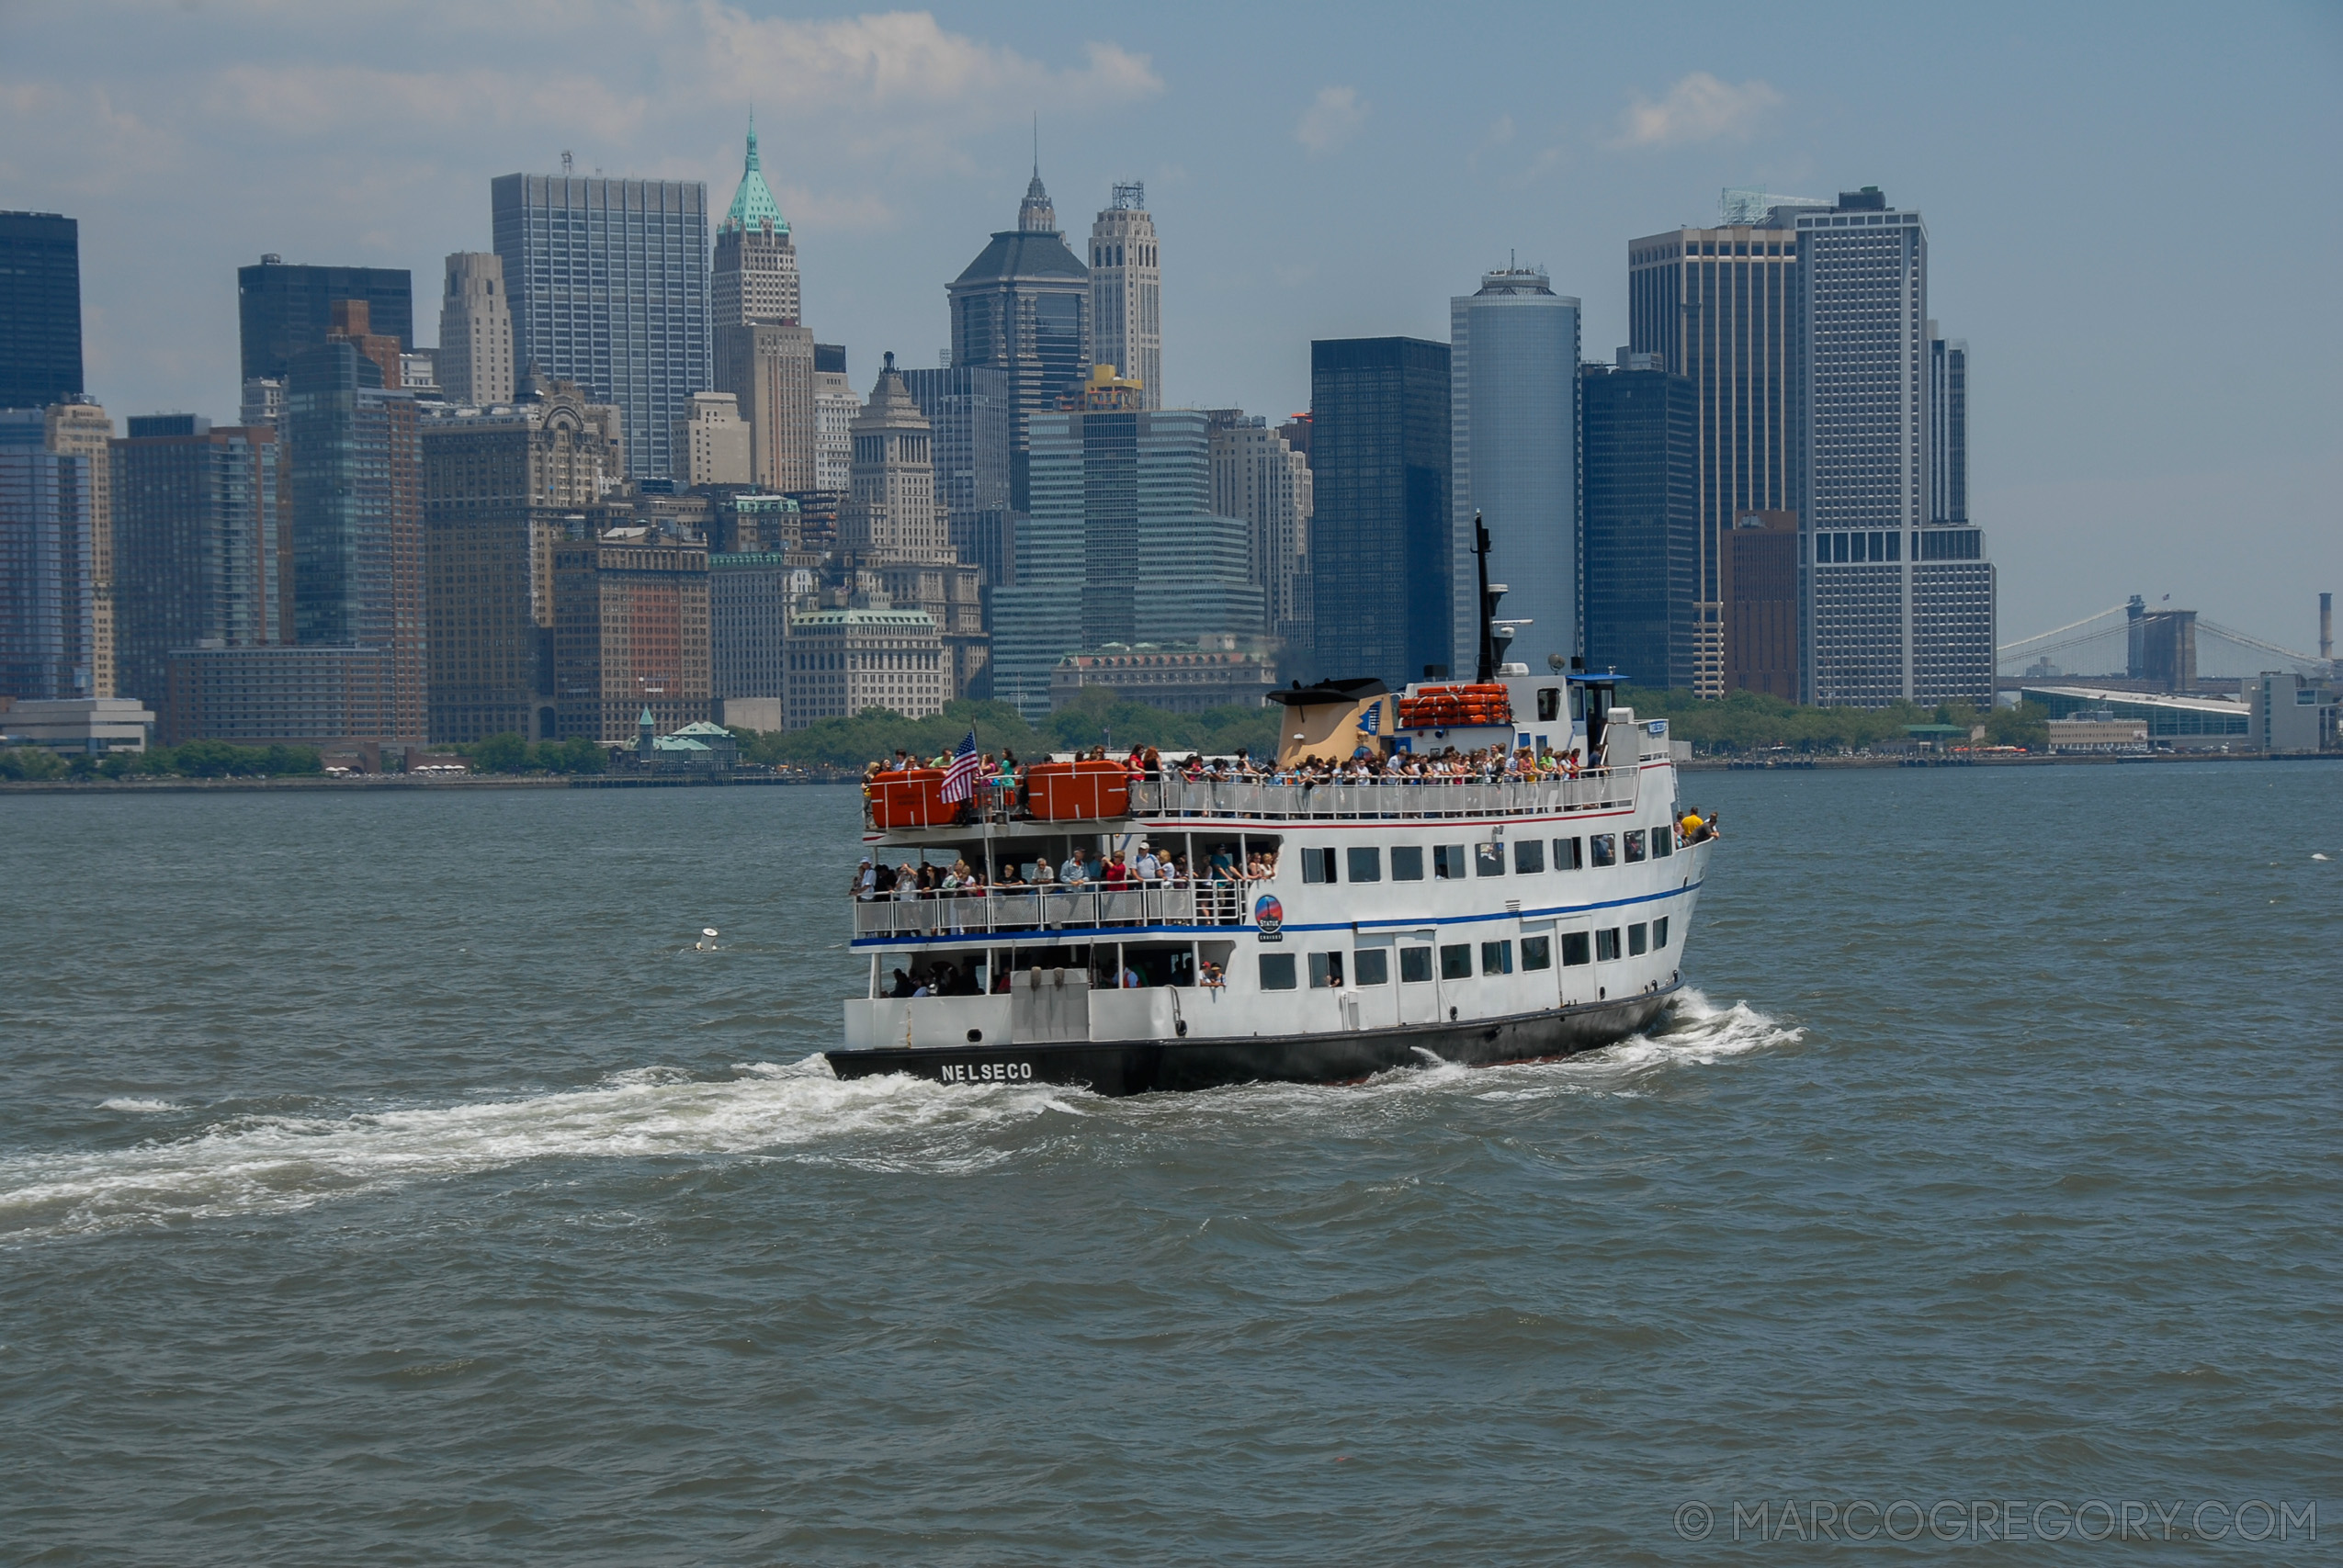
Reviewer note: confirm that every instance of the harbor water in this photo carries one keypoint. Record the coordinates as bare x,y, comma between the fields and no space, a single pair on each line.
391,1178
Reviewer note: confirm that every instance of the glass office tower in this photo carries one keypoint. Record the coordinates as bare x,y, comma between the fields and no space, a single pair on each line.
1380,451
608,281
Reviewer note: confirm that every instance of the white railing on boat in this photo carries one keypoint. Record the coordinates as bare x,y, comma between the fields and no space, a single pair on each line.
1604,789
1033,909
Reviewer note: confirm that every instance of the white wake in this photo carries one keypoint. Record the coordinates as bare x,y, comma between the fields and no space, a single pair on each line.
278,1163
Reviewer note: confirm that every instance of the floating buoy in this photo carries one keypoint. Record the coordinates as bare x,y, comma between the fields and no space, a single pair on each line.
706,938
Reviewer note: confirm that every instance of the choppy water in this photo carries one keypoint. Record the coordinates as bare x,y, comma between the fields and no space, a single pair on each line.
387,1180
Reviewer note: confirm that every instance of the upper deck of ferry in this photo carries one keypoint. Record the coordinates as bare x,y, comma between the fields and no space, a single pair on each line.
911,802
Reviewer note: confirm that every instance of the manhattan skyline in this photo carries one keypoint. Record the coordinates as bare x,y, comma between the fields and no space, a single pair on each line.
2144,415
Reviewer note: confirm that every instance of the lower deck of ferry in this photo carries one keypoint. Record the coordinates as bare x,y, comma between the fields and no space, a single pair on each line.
1181,1063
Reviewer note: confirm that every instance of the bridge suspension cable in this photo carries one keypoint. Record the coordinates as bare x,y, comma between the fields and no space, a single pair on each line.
2011,649
2242,640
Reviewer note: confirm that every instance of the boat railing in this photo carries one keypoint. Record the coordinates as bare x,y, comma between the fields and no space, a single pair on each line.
1599,789
1217,903
1602,789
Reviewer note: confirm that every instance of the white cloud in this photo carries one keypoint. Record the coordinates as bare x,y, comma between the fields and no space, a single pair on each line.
897,84
1699,108
1333,119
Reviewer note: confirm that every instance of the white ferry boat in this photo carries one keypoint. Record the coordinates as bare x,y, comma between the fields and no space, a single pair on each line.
1398,921
1318,933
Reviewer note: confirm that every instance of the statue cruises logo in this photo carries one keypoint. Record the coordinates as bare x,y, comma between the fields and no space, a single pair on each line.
1268,914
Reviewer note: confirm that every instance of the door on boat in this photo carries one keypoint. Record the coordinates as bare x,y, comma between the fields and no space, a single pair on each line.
1574,966
1415,970
1610,953
1375,982
1538,985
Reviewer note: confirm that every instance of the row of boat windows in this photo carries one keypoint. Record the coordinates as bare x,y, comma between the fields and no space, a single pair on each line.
1363,863
1372,966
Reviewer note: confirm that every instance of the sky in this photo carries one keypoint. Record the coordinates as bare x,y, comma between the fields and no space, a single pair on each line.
2132,209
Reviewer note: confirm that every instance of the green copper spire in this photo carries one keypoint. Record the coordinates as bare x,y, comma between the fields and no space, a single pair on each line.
752,204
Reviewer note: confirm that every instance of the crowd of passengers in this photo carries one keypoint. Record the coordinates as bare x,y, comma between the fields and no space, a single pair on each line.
1083,870
1488,764
1087,869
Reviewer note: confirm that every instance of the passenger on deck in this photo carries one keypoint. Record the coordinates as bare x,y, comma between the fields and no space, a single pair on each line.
907,882
1044,872
1145,867
866,880
902,986
1117,873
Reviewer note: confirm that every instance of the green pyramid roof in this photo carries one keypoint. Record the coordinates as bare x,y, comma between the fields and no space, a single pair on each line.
752,204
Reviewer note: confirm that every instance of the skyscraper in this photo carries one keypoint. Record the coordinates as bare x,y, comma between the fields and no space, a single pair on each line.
1258,476
712,444
41,310
83,429
475,364
46,631
1023,306
1122,546
284,310
891,513
1956,613
756,275
1642,559
769,368
199,537
630,634
1720,306
967,407
1380,451
1126,292
501,487
1513,422
356,464
1878,626
609,285
894,535
835,406
1948,412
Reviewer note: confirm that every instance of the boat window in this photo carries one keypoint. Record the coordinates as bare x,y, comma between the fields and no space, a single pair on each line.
1599,851
1663,842
1326,970
1488,860
1635,845
1529,855
1568,855
1318,865
1366,864
1636,935
1447,861
1537,952
1574,950
1549,704
1373,965
1606,944
1497,958
1456,962
1415,964
1659,933
1407,862
1276,971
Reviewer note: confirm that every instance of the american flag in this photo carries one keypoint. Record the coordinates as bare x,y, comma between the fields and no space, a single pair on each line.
959,779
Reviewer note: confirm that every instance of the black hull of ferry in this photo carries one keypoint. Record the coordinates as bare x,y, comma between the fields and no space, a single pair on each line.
1146,1066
